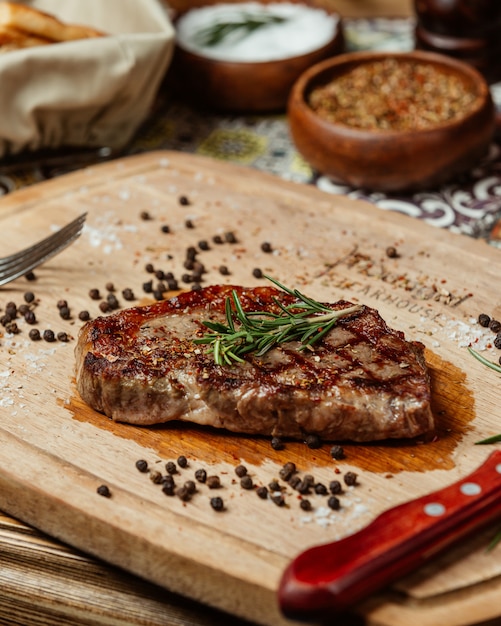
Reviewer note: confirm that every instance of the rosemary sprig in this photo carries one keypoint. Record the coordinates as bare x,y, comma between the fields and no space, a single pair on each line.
494,541
482,359
306,321
215,34
496,368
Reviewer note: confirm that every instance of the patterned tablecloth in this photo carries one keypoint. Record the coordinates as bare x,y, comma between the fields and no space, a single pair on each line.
470,205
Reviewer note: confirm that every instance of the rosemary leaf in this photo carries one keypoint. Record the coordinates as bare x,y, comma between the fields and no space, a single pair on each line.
494,542
493,439
484,361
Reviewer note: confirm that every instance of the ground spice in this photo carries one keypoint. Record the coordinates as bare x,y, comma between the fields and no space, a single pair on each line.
393,94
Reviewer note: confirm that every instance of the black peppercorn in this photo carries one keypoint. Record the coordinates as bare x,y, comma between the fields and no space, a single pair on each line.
277,443
313,442
278,499
165,228
217,239
320,489
49,335
168,482
287,471
34,334
303,487
30,276
182,461
103,490
274,486
203,244
29,296
156,477
149,268
190,486
333,503
230,237
495,326
94,294
240,470
62,336
246,482
305,504
497,341
266,246
128,294
183,494
337,452
184,201
148,286
104,306
30,317
391,252
171,467
350,478
201,475
484,320
257,273
84,316
189,224
335,487
142,465
213,482
223,270
262,492
64,313
168,488
217,503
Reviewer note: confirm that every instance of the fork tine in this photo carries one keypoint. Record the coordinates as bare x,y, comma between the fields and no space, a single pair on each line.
44,245
22,262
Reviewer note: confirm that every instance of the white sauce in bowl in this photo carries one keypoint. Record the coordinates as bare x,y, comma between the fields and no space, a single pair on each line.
302,29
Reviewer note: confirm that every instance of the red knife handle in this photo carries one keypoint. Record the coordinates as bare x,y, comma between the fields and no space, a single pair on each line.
331,578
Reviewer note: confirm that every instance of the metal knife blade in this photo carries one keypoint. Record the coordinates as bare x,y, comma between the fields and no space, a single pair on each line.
329,579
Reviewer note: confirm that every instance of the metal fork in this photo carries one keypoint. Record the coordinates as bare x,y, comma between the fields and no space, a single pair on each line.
20,263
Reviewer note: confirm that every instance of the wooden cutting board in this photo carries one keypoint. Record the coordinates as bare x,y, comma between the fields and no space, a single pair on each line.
55,451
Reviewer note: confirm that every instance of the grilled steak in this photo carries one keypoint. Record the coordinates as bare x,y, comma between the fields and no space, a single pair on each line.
363,381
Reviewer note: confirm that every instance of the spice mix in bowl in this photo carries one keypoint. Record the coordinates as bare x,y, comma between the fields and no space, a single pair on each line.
245,56
391,121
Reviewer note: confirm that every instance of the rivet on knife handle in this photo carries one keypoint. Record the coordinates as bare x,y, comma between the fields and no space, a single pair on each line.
331,578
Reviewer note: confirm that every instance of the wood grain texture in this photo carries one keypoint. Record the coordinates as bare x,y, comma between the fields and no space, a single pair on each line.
330,247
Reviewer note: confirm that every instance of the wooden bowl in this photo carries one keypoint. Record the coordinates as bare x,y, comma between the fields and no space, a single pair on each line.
246,87
391,160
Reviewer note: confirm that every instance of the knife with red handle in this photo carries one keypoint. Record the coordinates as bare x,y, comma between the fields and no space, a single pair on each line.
329,579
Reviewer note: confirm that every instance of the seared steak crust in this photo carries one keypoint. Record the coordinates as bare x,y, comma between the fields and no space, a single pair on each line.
362,382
